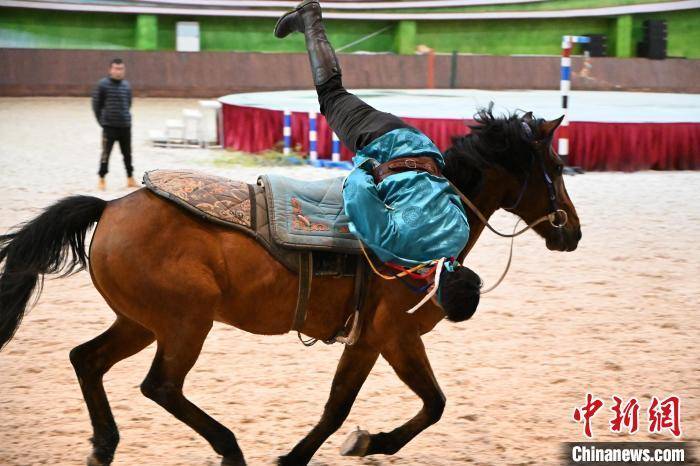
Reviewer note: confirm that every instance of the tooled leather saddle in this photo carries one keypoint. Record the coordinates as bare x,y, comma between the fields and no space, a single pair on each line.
301,223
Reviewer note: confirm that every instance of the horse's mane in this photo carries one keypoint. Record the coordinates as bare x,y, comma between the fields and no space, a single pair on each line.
501,141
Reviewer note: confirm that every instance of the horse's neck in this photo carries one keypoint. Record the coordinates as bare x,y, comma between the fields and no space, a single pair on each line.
487,201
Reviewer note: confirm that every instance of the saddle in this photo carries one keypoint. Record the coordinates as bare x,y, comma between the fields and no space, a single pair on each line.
301,223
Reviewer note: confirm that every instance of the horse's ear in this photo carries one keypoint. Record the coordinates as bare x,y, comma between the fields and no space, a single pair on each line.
547,128
528,117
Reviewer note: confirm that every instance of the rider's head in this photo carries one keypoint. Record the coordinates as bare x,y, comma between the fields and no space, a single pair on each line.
459,293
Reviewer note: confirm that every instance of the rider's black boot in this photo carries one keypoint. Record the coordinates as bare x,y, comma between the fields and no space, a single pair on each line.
306,18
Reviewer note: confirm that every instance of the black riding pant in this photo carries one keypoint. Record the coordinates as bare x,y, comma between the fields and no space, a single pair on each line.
110,134
356,123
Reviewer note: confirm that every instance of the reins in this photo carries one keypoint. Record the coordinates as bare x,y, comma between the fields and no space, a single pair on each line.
400,274
510,259
551,217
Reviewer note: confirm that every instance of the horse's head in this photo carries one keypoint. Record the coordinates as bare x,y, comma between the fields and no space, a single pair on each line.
543,191
509,163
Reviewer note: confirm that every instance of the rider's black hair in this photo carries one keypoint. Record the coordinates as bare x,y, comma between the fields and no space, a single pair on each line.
459,293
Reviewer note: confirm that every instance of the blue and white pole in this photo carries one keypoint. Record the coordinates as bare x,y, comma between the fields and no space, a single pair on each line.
313,153
287,132
335,156
565,87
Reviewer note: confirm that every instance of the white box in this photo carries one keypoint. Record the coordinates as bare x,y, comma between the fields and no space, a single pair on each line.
187,36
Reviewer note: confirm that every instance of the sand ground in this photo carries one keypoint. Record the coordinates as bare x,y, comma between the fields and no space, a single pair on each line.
620,315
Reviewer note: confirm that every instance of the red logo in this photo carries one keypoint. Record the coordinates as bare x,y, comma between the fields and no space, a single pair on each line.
662,415
589,409
627,417
665,415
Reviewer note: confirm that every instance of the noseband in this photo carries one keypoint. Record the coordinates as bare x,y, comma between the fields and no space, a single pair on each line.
555,211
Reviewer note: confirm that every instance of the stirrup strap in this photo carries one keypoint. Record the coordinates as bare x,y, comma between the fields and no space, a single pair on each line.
361,278
305,277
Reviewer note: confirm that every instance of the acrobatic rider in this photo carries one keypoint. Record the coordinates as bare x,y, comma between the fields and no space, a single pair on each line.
399,204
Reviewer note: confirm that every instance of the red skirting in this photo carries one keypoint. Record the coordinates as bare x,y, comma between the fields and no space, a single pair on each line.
634,146
592,145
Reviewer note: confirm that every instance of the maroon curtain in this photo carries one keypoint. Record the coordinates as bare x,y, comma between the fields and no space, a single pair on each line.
251,129
440,130
634,146
592,146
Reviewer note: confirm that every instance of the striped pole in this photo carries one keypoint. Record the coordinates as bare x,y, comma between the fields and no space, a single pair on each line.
565,88
313,154
336,148
287,132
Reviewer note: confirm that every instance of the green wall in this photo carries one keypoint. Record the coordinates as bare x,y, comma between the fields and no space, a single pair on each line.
255,35
50,29
505,37
622,38
65,30
146,33
405,42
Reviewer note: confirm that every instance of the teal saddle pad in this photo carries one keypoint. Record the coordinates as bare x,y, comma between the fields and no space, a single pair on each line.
308,214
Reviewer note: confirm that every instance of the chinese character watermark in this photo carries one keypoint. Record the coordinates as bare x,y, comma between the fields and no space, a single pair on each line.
662,415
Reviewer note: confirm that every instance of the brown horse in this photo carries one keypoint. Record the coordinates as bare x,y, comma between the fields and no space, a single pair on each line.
168,275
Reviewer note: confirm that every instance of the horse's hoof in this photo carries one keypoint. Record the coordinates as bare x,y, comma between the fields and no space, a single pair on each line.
287,461
233,461
92,460
356,444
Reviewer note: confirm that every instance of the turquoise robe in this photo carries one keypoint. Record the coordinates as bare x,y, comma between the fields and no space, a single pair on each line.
409,217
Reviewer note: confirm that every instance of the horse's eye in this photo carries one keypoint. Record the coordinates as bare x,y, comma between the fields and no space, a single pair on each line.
560,169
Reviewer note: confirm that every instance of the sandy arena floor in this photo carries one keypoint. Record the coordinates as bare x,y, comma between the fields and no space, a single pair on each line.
617,316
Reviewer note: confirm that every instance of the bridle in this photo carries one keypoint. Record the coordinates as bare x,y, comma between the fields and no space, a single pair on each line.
553,204
554,212
522,191
551,216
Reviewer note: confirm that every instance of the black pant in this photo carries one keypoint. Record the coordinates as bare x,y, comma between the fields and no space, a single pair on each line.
109,135
356,123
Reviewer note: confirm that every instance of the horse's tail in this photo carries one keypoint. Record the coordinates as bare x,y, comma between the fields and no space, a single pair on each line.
53,242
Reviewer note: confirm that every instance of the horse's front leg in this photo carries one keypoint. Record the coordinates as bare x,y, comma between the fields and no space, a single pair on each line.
354,366
406,354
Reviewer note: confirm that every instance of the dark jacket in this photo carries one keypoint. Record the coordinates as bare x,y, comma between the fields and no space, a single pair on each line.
111,101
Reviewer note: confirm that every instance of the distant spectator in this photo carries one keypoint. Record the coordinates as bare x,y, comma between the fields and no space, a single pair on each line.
111,102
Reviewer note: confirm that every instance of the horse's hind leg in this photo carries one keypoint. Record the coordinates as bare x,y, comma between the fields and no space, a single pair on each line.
176,354
91,361
354,367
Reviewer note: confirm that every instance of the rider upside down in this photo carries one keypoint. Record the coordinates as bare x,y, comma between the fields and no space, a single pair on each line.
398,203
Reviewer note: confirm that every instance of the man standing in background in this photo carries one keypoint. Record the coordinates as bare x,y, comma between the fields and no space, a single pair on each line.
111,102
